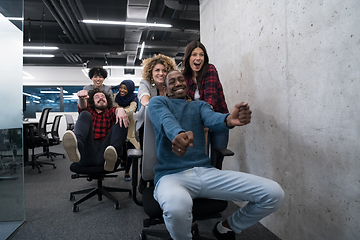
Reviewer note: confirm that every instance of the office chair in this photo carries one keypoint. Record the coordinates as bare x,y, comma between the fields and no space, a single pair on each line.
37,137
55,138
202,208
99,174
31,139
69,122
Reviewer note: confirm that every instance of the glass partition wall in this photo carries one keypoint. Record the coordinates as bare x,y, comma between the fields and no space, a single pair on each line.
12,202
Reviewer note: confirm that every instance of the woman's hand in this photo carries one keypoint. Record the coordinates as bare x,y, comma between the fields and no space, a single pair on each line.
122,117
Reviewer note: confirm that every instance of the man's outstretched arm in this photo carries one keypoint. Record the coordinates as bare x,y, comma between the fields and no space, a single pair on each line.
239,116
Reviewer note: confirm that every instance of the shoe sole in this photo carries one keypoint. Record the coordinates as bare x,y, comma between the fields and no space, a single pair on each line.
110,156
70,145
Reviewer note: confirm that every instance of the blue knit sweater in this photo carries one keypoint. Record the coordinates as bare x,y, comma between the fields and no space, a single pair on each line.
171,116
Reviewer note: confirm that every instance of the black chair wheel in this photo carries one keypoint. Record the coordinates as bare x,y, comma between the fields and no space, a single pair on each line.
142,236
195,231
54,166
63,156
117,206
75,208
72,197
130,194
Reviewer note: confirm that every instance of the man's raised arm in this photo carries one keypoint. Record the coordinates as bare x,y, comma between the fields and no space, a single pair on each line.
239,116
83,96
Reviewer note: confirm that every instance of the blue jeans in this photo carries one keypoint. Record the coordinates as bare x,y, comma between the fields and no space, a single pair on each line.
175,193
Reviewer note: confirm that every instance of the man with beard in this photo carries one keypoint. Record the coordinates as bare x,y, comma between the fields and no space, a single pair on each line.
100,131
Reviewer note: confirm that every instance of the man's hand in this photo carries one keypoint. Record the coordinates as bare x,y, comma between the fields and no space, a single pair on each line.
121,117
239,116
83,96
181,142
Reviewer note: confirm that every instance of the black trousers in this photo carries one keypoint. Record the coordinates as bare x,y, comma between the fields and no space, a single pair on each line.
92,152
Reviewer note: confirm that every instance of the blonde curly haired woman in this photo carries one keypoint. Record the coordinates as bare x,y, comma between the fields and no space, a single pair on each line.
153,74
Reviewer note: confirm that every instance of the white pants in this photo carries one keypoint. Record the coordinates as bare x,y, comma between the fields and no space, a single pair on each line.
175,193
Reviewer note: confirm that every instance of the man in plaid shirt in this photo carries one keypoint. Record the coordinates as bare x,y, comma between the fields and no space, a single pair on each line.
99,133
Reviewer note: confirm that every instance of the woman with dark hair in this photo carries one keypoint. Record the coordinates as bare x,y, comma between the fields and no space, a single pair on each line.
98,75
127,99
204,84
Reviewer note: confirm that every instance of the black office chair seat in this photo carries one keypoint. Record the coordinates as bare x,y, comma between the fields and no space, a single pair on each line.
92,173
202,208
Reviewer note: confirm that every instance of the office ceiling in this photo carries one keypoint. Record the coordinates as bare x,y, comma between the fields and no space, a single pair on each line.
57,23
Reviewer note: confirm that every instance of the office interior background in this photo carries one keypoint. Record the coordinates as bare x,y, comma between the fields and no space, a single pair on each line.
295,63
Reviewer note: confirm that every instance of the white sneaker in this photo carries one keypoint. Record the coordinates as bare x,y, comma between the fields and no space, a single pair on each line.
70,145
110,156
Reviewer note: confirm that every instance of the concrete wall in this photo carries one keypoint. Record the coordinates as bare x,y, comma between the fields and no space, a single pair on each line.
297,63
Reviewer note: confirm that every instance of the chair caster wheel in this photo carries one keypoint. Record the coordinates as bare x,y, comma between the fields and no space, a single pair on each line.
64,156
54,167
117,206
195,229
142,236
75,208
130,194
72,197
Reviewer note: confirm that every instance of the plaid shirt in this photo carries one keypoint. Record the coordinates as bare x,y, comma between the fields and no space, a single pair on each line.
211,91
102,122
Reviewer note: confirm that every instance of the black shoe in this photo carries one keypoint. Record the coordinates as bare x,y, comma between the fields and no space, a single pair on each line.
230,235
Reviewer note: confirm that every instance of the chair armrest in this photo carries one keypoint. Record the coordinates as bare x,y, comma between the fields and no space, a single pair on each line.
220,153
134,153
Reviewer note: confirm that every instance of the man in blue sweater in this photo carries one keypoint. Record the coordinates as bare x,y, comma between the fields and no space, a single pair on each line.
184,171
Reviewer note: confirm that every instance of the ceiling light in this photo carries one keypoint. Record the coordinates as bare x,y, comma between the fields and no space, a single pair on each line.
39,55
142,50
40,48
15,18
124,67
30,95
49,91
126,23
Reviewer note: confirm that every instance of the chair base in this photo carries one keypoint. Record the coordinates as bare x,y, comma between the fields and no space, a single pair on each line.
37,164
99,191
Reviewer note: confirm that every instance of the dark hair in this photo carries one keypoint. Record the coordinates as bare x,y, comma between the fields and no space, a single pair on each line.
99,71
91,94
187,69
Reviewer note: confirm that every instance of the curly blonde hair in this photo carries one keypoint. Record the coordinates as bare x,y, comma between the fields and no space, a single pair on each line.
149,63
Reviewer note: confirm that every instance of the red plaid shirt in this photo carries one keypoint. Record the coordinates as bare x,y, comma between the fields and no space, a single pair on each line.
211,91
102,122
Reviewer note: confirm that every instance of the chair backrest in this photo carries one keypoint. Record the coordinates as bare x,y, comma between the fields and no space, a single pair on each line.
69,122
42,123
55,128
149,159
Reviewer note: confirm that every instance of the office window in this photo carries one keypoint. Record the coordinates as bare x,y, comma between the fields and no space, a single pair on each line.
70,98
38,98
